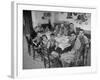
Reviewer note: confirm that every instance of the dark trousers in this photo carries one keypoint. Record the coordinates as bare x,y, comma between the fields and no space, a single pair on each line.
82,54
29,45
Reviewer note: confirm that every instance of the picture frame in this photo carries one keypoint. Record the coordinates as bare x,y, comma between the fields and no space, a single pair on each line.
17,70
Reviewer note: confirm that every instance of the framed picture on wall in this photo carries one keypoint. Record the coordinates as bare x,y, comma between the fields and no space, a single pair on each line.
52,40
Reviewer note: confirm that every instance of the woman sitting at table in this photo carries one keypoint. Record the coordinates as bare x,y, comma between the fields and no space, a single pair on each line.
84,48
72,40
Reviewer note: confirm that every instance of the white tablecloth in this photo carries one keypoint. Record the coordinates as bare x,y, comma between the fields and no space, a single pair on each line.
63,42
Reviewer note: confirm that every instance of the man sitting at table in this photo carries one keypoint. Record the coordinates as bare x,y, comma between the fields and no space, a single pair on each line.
84,47
70,54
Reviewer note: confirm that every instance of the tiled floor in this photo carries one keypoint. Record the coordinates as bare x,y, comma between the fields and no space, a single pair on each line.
28,62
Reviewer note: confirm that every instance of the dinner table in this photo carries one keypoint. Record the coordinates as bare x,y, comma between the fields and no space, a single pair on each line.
63,42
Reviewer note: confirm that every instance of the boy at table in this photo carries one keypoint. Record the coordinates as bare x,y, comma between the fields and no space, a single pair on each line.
52,47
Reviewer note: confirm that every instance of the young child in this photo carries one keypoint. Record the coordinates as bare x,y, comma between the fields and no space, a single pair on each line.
52,46
44,51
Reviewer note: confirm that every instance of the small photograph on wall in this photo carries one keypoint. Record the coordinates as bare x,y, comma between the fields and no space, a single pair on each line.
54,39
